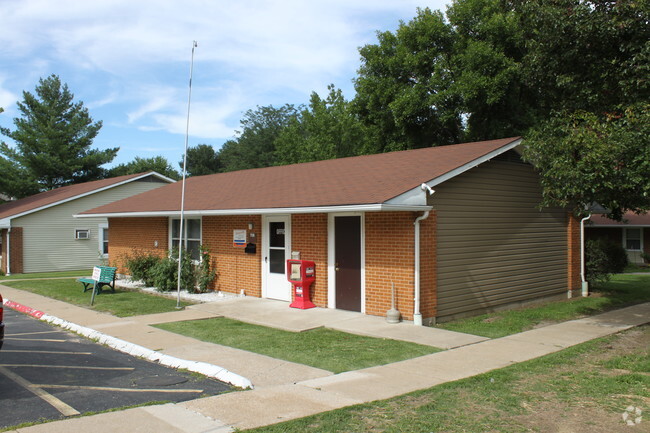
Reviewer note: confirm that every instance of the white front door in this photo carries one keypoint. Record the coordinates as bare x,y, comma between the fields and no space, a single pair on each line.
277,250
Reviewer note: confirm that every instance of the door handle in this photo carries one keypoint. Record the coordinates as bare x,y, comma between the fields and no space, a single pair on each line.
336,266
266,259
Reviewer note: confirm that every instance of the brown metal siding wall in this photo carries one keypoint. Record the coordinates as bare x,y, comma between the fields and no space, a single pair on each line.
494,246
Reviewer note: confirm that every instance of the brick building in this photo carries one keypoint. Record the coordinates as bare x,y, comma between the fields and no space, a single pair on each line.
456,230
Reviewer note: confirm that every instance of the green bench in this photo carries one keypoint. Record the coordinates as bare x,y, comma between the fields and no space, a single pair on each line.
102,276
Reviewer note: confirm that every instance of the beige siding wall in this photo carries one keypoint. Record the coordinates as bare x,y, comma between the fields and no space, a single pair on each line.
494,246
48,235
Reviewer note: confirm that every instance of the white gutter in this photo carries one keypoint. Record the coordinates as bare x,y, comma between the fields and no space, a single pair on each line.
417,315
585,284
9,251
377,207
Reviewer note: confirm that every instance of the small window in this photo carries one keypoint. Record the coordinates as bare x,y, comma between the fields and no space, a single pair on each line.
633,239
82,234
103,239
191,239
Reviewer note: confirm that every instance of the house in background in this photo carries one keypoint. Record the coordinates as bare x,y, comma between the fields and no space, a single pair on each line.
478,243
39,234
633,233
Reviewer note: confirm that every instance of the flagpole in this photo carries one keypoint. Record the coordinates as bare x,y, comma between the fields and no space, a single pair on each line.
181,228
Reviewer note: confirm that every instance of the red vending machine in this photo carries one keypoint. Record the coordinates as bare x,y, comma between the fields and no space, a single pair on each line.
302,274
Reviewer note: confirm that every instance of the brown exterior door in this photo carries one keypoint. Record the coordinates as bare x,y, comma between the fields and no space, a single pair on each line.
347,255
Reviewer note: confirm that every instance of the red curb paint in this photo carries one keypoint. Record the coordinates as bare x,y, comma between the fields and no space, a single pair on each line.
23,309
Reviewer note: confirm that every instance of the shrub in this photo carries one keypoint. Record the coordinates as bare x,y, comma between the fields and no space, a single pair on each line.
140,264
616,257
596,262
165,273
205,274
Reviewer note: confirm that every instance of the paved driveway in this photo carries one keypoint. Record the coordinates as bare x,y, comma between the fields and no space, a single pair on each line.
47,374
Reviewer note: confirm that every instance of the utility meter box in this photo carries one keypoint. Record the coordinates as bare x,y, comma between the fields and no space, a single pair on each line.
302,274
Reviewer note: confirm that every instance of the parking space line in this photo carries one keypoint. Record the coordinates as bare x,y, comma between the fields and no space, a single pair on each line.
106,388
46,352
32,333
78,367
62,407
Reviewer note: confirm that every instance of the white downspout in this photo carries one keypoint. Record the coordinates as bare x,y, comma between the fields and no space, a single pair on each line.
9,251
417,315
585,284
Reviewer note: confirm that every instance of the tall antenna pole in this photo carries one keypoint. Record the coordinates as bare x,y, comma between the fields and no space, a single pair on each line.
182,228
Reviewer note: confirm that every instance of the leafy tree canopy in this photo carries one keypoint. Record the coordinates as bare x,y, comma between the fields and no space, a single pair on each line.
584,158
255,144
326,129
158,164
201,160
53,140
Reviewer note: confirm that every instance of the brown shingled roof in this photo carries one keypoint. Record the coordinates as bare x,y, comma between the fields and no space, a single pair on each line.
630,219
61,194
368,179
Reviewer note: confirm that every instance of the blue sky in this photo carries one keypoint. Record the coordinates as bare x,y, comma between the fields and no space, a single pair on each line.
129,60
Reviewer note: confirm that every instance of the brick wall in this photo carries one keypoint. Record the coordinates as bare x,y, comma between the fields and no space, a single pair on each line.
390,254
16,246
3,252
236,270
573,253
309,236
128,235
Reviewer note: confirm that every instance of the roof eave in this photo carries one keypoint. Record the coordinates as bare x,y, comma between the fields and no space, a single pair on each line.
95,191
418,197
376,207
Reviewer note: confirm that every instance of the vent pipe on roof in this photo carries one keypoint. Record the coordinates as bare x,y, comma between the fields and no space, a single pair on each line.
417,315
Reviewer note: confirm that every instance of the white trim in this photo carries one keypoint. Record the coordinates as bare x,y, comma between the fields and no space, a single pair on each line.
78,196
100,238
286,218
377,207
331,258
612,226
414,197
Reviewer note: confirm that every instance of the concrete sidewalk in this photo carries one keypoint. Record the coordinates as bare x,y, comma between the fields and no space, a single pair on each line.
285,390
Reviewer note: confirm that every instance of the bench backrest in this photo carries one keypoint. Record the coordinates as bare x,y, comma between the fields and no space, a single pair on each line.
104,274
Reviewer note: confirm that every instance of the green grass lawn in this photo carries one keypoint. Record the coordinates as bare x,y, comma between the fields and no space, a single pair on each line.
321,348
122,303
80,273
582,389
621,290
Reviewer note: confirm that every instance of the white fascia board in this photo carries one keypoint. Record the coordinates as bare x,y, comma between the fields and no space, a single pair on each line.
94,191
417,197
5,223
379,207
611,226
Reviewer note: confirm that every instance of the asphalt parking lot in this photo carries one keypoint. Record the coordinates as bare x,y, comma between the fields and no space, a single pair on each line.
48,374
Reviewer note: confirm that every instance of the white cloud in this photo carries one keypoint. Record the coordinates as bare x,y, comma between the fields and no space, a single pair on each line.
130,59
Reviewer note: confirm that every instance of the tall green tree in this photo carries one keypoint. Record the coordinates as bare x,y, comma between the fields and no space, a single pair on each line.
53,140
585,158
254,146
158,164
326,129
201,160
402,85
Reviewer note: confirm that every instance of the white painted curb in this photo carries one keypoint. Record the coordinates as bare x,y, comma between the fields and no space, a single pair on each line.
203,368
